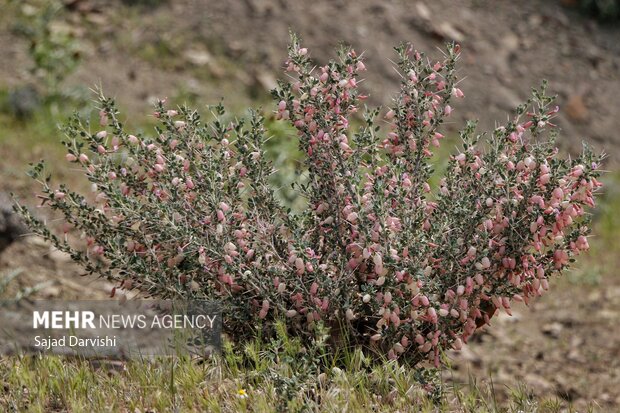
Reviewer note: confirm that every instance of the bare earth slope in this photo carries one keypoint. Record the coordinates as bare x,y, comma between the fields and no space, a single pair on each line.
508,47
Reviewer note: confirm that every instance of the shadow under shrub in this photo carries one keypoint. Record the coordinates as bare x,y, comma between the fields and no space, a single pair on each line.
378,256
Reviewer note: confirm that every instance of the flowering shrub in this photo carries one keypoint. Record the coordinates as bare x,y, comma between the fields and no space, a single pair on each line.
378,255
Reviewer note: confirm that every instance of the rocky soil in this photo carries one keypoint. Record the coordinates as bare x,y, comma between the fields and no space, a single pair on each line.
211,48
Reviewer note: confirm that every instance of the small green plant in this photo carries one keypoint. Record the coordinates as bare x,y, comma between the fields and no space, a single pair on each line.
6,279
53,48
41,384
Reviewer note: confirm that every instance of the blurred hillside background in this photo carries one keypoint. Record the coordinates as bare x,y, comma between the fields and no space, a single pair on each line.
197,52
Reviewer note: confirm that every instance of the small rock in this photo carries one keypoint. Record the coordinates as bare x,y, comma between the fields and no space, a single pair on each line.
423,10
609,314
576,341
266,80
538,383
553,330
510,43
503,317
197,57
594,296
466,354
23,101
51,291
37,241
110,365
448,32
507,99
535,20
576,108
58,256
98,19
574,355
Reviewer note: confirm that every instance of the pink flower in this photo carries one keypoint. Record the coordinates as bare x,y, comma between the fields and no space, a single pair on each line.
189,183
424,300
413,76
300,266
458,93
582,243
458,344
560,258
